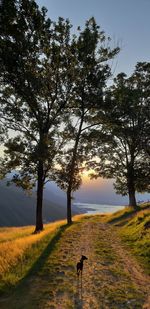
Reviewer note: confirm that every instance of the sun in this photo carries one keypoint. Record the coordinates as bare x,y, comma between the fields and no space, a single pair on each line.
85,174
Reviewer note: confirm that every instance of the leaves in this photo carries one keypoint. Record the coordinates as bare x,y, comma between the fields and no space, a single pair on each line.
123,149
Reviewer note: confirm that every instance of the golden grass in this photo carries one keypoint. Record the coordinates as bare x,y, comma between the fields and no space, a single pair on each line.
11,233
15,241
50,280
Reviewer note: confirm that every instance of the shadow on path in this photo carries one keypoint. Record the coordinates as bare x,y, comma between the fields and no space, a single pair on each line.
78,302
38,265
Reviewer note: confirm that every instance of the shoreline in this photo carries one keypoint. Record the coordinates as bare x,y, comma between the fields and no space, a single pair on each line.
87,208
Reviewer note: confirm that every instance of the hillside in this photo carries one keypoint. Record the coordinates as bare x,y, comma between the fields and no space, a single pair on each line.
114,277
18,209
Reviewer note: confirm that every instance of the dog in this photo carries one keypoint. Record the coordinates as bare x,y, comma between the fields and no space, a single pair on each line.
80,265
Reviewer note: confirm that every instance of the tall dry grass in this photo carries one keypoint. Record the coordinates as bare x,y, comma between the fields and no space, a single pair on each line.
15,241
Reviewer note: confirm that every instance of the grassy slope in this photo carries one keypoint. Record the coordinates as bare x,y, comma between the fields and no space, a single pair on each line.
19,249
42,266
134,229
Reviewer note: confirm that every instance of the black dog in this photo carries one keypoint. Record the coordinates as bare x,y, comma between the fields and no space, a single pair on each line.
80,265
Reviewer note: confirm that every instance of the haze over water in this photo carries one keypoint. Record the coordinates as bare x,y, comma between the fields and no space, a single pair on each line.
97,208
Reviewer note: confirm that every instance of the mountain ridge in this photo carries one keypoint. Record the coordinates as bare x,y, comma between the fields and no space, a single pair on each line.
19,209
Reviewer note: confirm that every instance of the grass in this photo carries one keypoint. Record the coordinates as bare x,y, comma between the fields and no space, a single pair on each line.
136,234
41,267
134,229
19,249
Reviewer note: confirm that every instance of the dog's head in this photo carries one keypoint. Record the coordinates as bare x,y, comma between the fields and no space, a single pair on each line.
84,258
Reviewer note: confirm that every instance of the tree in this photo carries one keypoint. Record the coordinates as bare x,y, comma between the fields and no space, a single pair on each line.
91,73
36,74
123,148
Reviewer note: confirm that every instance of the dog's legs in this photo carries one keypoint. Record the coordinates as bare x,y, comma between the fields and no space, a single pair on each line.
78,272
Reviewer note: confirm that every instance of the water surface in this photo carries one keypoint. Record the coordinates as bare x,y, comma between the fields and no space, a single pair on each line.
97,208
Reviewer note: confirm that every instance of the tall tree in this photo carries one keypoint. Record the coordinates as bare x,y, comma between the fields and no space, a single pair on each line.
36,75
123,148
91,73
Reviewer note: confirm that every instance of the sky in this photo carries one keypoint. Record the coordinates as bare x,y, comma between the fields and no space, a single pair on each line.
127,22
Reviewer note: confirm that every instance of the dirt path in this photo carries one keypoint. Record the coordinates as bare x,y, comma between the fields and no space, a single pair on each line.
112,279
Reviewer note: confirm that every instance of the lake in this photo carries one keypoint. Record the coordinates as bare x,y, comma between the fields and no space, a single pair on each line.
97,208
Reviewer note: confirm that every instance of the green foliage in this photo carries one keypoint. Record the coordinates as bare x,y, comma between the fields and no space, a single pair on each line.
36,72
91,72
123,148
47,75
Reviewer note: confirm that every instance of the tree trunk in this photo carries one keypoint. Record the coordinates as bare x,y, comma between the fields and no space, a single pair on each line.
39,219
69,216
131,190
132,199
69,190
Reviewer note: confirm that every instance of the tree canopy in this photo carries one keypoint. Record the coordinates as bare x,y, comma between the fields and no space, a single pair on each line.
91,74
54,97
47,74
36,73
123,149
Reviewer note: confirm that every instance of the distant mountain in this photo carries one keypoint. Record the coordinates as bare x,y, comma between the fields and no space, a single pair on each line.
18,209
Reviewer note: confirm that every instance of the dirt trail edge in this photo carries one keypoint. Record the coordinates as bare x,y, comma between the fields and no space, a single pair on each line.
111,279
